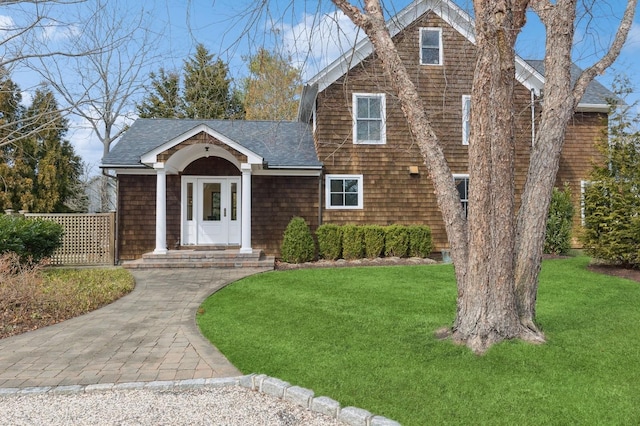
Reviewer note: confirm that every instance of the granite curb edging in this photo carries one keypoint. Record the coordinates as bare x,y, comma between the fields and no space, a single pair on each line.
262,383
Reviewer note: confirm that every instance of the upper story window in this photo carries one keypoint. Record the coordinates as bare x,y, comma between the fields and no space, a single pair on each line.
466,116
431,46
369,118
344,191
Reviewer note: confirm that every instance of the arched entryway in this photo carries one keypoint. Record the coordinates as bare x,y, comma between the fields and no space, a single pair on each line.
211,210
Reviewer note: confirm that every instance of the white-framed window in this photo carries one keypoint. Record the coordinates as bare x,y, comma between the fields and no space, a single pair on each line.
369,121
431,46
462,183
344,191
466,119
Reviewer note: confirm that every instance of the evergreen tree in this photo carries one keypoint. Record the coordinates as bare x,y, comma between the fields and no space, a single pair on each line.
208,92
612,197
271,91
165,100
41,170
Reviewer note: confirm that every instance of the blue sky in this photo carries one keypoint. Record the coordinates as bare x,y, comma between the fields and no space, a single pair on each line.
308,30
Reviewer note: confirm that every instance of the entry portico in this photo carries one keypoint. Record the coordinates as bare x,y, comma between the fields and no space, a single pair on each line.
211,214
204,176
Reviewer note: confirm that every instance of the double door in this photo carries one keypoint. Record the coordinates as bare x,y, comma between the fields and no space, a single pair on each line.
210,210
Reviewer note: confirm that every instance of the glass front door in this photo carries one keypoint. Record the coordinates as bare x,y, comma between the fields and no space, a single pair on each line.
210,211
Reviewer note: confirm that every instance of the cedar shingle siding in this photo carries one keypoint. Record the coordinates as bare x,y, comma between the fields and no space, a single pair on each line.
391,193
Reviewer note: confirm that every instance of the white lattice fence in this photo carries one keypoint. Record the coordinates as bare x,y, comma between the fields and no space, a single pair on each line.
89,239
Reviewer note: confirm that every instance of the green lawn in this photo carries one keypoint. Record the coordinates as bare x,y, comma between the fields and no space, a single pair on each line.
365,337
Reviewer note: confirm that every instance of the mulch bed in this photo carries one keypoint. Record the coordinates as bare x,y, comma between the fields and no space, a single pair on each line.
631,274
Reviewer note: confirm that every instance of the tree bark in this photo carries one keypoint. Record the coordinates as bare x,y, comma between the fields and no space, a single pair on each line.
496,254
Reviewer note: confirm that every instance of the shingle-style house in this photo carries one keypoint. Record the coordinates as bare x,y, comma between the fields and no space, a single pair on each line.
350,157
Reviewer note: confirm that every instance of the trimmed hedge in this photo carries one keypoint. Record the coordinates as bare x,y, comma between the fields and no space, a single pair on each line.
31,239
352,242
373,241
420,242
559,222
329,241
297,244
396,241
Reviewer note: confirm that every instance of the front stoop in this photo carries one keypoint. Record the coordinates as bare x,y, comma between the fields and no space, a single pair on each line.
197,258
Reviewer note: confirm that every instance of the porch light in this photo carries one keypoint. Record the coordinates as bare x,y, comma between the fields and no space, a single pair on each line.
413,170
206,151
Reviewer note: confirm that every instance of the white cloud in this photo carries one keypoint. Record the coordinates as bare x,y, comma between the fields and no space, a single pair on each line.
57,33
6,23
316,42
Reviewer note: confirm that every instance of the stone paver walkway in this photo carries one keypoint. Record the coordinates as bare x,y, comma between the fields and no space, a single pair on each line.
147,335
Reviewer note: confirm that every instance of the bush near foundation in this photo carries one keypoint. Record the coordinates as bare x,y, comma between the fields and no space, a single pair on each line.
396,241
298,245
373,241
559,222
329,241
420,242
352,242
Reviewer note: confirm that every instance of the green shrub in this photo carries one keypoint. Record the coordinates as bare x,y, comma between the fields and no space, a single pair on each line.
329,241
396,241
559,222
373,241
297,244
420,243
31,239
352,242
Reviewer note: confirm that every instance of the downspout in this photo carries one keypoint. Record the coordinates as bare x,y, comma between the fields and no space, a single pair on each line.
320,179
533,118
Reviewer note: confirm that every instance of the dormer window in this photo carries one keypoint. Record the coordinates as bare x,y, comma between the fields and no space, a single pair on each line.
431,46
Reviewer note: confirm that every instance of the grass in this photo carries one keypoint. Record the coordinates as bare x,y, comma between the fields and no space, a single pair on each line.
365,337
32,297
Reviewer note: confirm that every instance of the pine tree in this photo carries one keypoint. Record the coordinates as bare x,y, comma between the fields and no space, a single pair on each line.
272,88
207,88
41,170
165,100
612,197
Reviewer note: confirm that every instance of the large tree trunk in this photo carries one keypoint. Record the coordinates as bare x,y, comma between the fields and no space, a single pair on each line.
497,257
487,308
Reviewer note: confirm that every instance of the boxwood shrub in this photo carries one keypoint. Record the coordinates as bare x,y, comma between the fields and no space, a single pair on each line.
420,243
329,241
352,242
396,241
373,241
31,239
297,244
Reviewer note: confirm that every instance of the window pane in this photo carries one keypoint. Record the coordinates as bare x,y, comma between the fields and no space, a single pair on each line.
234,201
336,185
374,107
461,184
350,185
189,201
350,199
430,38
363,107
374,131
431,56
363,130
337,200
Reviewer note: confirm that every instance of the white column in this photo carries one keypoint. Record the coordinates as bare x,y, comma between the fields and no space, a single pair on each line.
246,209
161,209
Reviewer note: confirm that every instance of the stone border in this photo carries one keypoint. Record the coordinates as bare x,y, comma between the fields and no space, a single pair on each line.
257,382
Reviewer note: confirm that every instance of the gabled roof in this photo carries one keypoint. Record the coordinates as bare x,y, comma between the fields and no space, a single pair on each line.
529,76
277,144
595,97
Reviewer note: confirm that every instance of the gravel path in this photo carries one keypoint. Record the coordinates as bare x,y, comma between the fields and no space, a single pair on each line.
206,406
